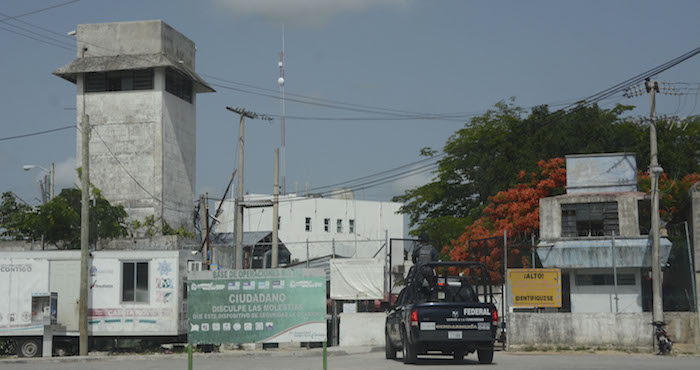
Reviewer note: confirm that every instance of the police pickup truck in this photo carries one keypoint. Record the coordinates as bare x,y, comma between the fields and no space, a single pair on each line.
446,308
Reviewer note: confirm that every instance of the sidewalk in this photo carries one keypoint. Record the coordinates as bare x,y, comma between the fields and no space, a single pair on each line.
274,352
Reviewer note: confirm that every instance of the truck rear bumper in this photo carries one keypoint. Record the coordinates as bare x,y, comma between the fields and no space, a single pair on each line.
471,340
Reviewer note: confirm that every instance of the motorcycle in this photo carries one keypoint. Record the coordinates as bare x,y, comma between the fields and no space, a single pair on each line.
664,344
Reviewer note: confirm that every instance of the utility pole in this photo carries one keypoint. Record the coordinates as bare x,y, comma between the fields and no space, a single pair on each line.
202,226
84,234
275,209
655,170
206,228
505,284
51,183
239,198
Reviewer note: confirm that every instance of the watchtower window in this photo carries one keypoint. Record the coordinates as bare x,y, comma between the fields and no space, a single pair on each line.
589,219
178,84
126,80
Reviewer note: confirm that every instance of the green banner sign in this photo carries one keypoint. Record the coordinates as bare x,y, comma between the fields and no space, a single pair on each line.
251,306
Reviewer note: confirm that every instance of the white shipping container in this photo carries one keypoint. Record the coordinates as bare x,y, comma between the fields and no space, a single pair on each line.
131,293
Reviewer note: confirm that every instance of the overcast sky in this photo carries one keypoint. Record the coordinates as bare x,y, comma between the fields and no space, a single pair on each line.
421,56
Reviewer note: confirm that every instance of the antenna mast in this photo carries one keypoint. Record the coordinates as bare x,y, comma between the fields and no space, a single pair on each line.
281,82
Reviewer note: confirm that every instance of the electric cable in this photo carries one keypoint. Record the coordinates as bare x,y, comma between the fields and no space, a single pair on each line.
36,133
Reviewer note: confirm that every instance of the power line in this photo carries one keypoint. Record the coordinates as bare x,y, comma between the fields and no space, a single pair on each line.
437,156
37,39
56,43
129,173
366,185
622,86
325,105
61,42
411,171
39,10
36,133
333,101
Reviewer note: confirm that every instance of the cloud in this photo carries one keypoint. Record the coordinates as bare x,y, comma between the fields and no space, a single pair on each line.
305,12
65,175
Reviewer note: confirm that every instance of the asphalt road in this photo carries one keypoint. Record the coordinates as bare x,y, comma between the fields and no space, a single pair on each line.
364,361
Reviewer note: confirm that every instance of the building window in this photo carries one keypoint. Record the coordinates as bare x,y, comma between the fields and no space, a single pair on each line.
279,222
327,225
589,219
307,225
135,282
644,215
339,226
605,279
178,84
133,79
351,226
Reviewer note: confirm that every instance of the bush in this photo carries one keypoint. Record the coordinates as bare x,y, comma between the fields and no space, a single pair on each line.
7,347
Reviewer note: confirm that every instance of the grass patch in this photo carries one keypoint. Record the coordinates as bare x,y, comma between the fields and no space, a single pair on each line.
581,348
530,349
563,348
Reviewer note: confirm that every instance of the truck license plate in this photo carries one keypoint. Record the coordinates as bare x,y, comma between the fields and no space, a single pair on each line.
454,335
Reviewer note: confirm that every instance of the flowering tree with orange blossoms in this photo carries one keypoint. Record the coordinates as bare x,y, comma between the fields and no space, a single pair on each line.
516,211
674,193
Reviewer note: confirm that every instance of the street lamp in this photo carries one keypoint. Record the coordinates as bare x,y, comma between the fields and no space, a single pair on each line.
28,167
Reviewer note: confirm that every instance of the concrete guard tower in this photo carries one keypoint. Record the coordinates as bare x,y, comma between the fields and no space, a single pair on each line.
136,82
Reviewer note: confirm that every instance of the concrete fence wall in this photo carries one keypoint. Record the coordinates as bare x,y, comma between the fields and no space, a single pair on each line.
597,329
362,329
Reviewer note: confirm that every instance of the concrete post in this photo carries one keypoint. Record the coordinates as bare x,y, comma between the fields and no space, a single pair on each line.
47,341
275,209
239,196
654,172
694,232
84,235
614,266
505,284
52,183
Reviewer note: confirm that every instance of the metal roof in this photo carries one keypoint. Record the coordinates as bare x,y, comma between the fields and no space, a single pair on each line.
249,237
323,262
595,253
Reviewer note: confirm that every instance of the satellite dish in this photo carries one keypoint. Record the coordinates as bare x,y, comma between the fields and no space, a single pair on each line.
280,81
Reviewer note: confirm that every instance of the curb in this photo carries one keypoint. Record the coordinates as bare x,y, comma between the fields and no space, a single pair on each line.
314,352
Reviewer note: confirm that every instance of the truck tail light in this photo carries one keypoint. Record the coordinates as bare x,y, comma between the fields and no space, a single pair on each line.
414,318
494,317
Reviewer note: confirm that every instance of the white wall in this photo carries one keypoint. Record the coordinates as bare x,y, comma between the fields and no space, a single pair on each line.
362,329
601,298
372,218
109,315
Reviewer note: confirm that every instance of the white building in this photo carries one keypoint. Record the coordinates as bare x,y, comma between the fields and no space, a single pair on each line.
344,227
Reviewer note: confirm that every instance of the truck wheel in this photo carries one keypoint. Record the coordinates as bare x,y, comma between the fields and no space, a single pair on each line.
458,356
485,356
388,348
28,347
409,353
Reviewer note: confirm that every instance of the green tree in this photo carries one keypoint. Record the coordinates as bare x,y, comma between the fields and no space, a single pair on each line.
485,157
58,221
16,219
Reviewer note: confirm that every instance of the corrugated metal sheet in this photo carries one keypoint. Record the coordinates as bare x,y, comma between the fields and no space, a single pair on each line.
596,253
320,262
249,237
